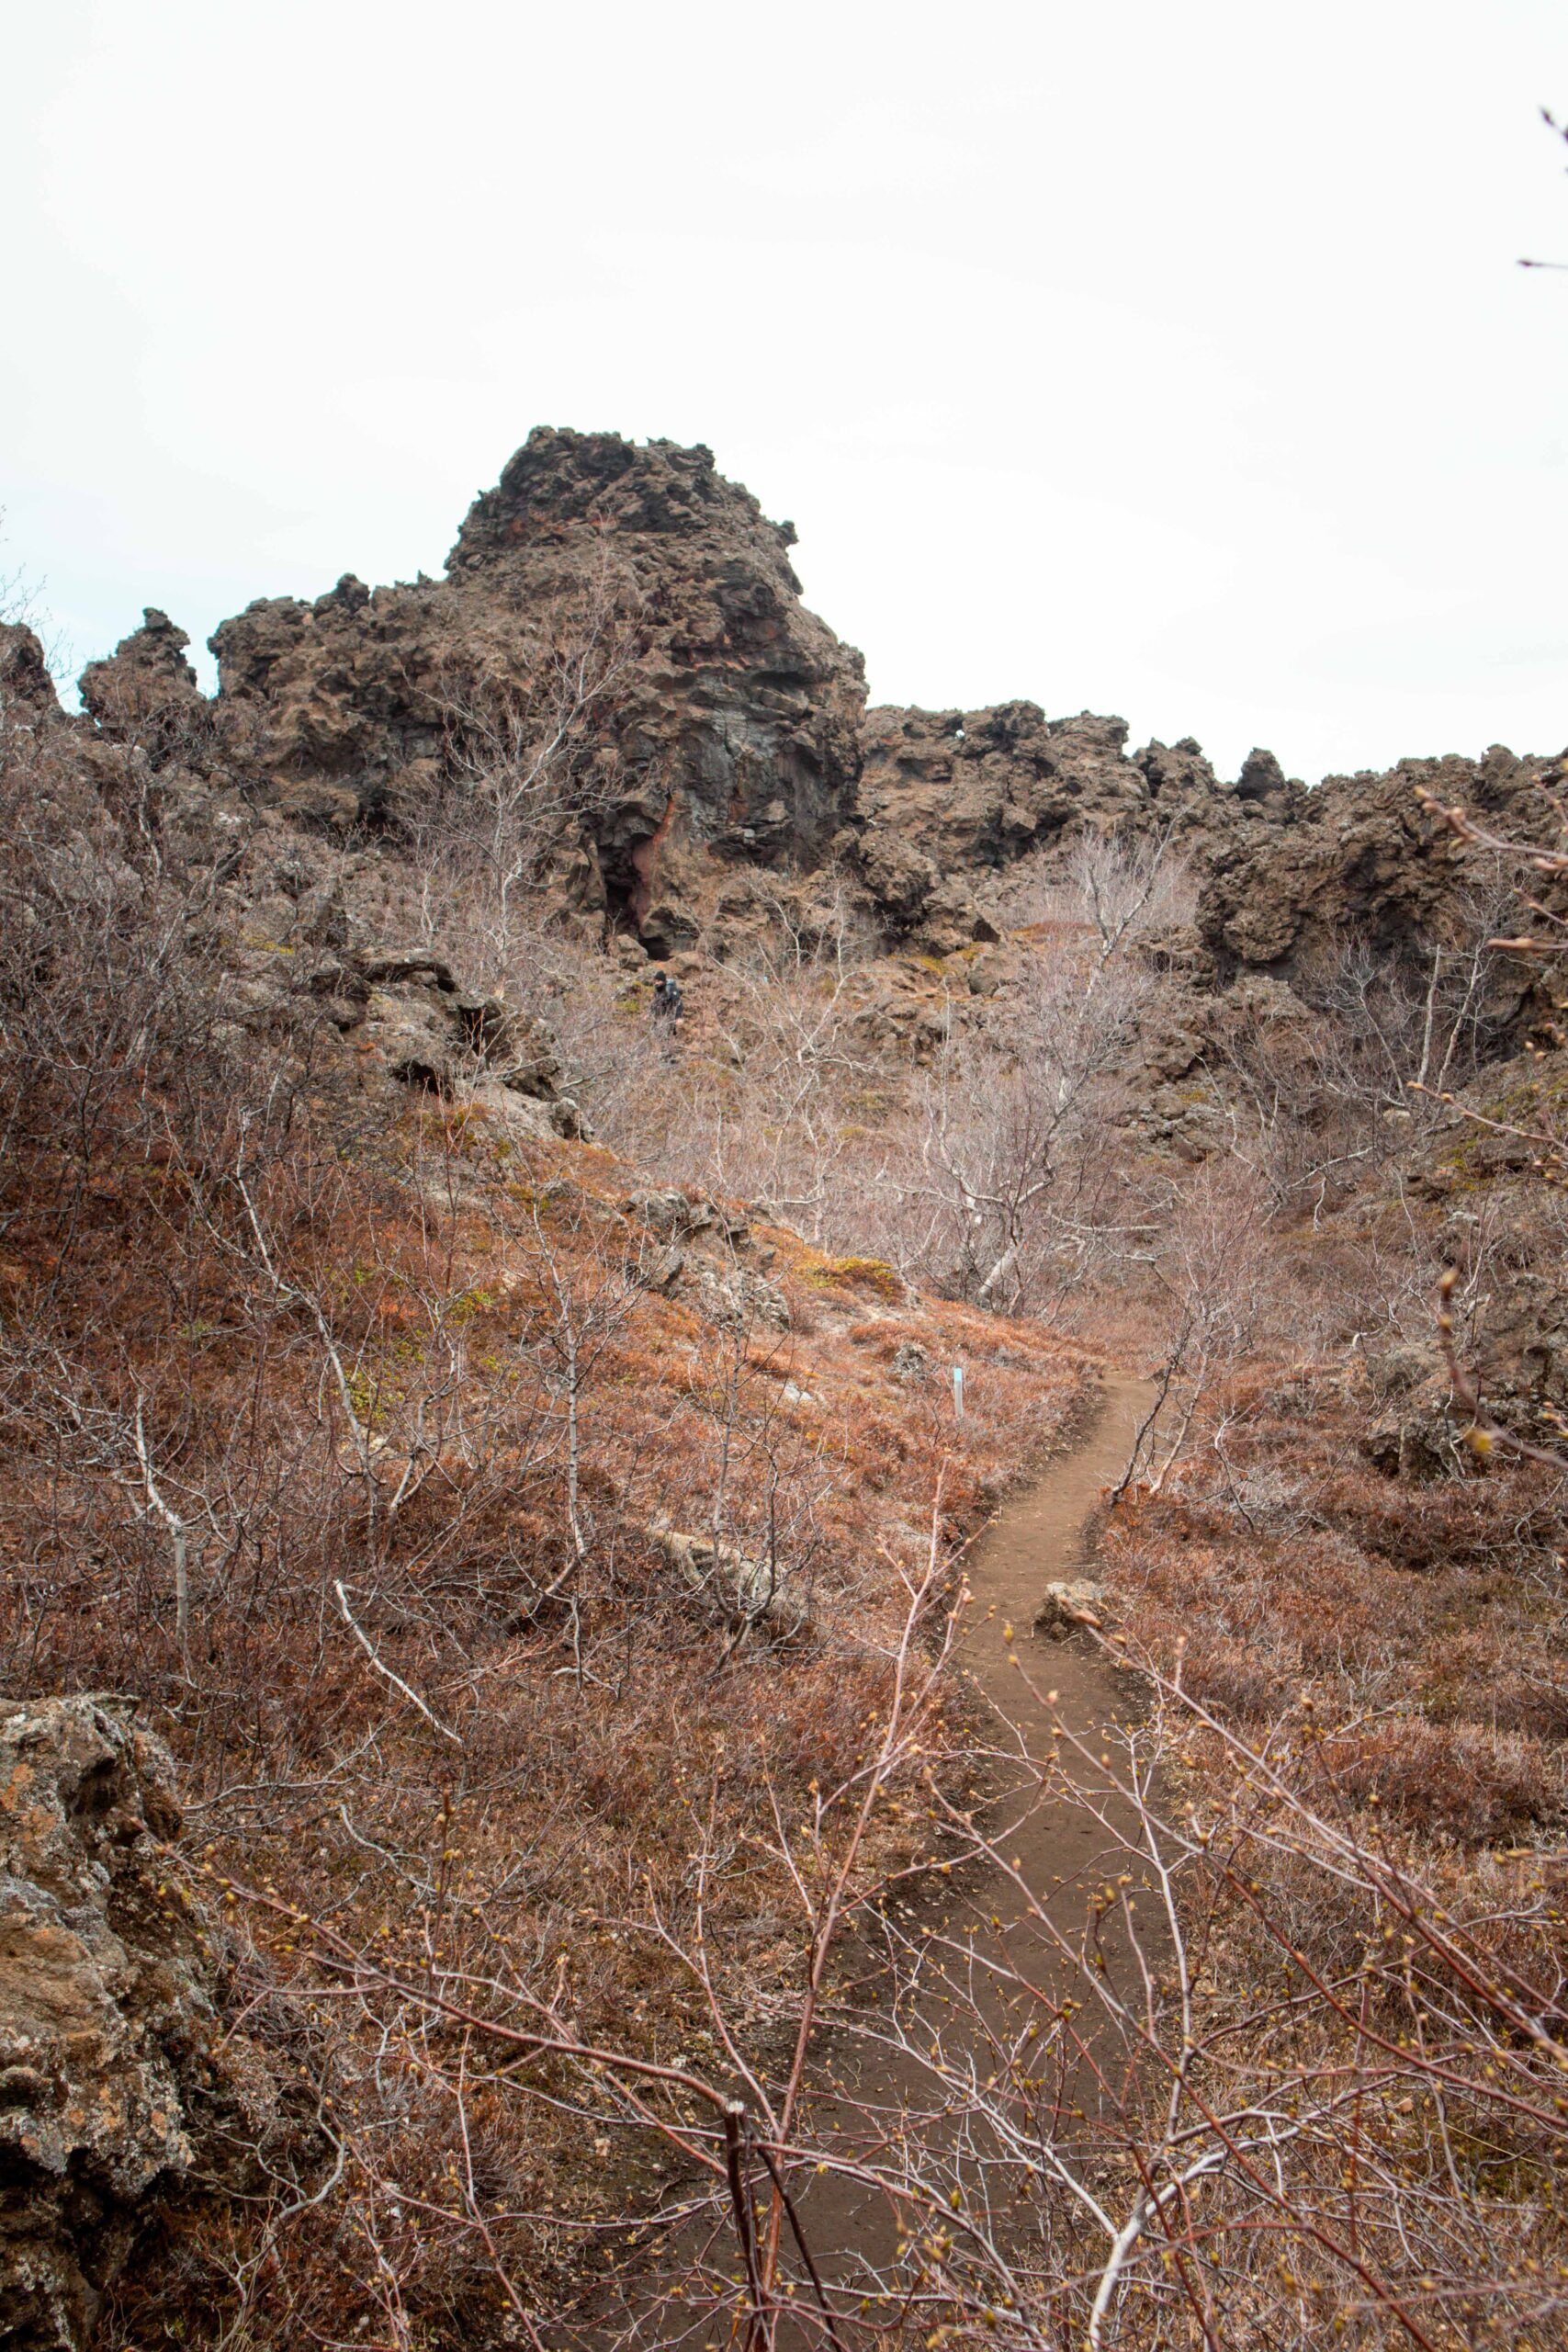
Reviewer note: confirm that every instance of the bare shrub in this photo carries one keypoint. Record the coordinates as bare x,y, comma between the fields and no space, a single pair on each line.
366,1443
528,765
1272,2076
780,1096
1009,1128
1123,889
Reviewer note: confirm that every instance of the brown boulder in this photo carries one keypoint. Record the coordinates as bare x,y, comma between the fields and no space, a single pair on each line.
117,2083
146,691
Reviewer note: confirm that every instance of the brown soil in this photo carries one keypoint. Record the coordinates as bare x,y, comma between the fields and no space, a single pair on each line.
981,1967
973,2000
1041,1538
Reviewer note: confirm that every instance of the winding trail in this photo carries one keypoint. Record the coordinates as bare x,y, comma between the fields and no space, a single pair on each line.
875,2095
1058,1847
1038,1539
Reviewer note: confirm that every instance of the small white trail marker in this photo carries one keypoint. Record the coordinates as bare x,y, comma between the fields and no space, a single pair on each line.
958,1392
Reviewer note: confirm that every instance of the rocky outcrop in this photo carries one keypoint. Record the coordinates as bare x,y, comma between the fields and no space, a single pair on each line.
301,968
632,610
720,712
1488,1165
1285,877
27,690
146,692
118,2088
947,799
1362,860
709,1255
275,938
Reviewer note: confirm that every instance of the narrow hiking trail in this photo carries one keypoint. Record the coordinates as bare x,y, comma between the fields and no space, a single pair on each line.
971,2001
904,2084
1038,1539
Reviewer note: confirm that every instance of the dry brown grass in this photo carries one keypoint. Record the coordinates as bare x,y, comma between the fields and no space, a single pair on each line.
343,1434
591,1725
1423,1616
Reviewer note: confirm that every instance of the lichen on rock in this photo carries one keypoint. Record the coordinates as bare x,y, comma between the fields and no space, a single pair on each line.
119,2089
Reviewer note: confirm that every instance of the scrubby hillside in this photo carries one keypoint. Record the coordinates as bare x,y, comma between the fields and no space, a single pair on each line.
503,1456
481,1528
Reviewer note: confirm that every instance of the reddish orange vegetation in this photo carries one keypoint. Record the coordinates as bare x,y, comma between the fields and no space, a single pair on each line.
433,1682
1415,1626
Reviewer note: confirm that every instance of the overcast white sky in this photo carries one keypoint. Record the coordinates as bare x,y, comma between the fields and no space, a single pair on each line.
1165,357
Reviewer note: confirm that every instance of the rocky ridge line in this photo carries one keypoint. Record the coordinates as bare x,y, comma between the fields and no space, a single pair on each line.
736,733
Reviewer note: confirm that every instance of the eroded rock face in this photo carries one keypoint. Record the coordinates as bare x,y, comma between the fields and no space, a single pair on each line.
146,691
27,690
731,720
283,946
1481,1164
118,2086
726,728
947,799
1360,860
727,722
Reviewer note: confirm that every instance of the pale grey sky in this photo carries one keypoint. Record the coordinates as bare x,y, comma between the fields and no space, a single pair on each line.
1165,357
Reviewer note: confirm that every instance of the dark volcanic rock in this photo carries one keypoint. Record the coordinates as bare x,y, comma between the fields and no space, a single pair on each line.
146,691
1262,780
558,480
727,724
117,2083
732,719
946,798
1365,864
27,690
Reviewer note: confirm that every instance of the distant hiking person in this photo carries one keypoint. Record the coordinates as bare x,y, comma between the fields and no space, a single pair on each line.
668,1009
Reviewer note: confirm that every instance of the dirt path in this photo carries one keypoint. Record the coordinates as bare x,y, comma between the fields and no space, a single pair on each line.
1060,1850
877,2097
1034,1541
